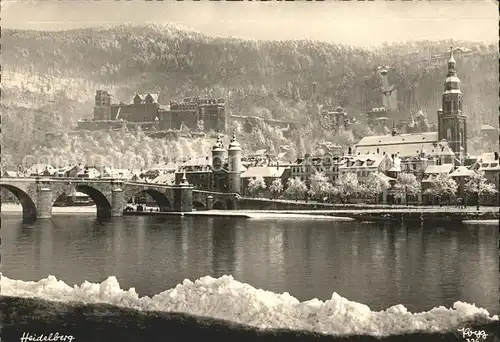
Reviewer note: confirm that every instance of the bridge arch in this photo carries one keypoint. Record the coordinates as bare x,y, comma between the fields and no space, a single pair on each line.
198,205
224,204
158,197
29,206
100,200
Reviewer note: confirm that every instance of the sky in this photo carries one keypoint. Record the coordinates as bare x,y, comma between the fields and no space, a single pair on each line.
354,23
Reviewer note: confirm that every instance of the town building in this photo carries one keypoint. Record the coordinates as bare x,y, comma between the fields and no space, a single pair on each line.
363,165
269,174
159,169
71,171
416,165
38,170
461,176
489,164
89,172
329,164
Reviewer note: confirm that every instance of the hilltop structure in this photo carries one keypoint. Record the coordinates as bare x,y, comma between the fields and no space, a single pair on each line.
446,146
196,114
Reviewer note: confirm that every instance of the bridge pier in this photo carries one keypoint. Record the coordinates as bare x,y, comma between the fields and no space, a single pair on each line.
183,198
210,202
117,203
44,205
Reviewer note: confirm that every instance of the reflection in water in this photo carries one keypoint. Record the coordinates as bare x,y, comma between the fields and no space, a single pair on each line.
379,265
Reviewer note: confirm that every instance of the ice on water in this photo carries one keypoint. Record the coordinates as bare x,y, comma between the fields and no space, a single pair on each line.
228,299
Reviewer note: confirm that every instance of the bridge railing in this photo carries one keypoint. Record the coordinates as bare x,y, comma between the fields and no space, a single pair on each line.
217,193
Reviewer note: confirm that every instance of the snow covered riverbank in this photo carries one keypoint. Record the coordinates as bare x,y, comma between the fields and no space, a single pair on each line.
227,299
17,208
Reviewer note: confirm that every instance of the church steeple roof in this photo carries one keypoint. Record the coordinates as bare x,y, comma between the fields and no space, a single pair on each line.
452,82
451,64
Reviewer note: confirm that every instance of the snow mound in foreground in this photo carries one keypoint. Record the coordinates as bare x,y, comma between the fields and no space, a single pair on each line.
226,298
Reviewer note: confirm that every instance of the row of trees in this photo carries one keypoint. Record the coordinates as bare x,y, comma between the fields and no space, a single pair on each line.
319,187
347,186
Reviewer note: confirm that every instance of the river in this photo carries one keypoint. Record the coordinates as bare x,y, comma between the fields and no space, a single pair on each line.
379,265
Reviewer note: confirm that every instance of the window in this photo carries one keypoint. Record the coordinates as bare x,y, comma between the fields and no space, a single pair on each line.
414,166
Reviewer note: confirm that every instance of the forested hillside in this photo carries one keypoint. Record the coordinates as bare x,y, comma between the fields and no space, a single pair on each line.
53,76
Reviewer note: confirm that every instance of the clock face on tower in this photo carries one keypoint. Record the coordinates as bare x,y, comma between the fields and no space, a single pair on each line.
217,163
447,98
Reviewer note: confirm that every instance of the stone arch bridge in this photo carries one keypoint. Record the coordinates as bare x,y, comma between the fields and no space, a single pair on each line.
37,195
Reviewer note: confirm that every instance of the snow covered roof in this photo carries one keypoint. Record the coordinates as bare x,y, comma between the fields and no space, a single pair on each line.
256,307
398,139
164,179
364,161
405,145
40,167
378,109
486,157
258,153
7,173
436,169
164,166
202,161
462,171
264,172
487,127
489,165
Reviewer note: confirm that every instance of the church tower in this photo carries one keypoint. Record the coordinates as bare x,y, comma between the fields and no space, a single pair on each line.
452,123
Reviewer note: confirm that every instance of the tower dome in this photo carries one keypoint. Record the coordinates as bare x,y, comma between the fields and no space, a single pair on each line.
218,145
234,145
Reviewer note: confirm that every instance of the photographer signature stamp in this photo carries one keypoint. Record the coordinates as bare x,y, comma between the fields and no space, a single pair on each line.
471,335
